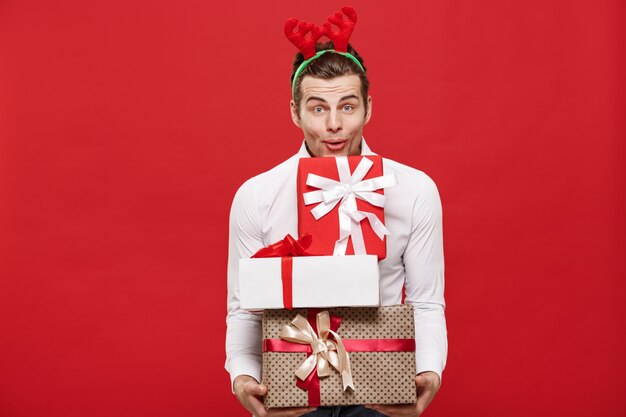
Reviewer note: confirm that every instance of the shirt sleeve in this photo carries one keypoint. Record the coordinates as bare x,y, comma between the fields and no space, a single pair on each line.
243,332
424,279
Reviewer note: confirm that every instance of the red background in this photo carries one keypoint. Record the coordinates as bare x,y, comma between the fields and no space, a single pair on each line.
126,127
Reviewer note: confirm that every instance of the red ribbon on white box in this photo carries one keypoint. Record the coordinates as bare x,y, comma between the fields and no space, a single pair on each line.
345,192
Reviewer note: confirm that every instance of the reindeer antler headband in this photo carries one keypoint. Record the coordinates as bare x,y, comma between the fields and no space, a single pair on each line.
307,45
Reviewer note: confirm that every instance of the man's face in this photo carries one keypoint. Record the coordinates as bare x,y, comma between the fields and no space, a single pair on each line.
332,115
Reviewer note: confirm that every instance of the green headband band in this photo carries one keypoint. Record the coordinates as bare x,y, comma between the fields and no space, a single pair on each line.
314,57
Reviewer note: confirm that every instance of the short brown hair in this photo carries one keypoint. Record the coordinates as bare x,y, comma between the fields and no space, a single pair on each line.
329,66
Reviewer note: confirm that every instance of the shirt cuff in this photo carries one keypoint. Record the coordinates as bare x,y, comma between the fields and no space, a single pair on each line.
243,365
429,361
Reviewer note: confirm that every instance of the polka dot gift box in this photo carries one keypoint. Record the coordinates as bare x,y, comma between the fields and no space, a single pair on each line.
339,356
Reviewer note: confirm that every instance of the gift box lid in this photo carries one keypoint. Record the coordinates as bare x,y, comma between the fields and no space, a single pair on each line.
316,281
353,183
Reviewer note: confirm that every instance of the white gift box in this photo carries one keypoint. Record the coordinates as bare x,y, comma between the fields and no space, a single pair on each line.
317,281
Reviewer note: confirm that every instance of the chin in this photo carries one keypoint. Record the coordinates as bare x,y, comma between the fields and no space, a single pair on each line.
338,153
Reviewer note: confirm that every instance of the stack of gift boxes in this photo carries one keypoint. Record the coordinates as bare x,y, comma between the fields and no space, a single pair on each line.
326,339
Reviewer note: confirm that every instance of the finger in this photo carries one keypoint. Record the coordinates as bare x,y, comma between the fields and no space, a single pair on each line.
420,380
255,389
306,410
423,401
424,398
424,382
428,379
425,386
257,407
289,411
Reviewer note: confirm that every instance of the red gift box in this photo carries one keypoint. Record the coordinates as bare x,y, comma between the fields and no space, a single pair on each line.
340,203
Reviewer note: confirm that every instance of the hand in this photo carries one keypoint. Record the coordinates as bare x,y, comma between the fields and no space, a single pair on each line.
250,394
427,385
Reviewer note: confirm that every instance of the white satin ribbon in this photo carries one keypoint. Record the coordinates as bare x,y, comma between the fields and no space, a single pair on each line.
345,192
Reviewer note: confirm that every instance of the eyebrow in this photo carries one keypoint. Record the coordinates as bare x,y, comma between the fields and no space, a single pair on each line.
315,98
351,96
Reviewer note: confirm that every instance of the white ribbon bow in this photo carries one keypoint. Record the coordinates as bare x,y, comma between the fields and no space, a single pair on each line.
347,190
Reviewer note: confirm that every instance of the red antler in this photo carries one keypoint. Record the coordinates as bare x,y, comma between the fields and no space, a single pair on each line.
340,37
298,37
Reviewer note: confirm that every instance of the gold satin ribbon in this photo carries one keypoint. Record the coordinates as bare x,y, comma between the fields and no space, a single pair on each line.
327,353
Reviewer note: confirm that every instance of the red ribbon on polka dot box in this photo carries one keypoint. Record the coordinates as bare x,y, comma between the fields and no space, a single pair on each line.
381,348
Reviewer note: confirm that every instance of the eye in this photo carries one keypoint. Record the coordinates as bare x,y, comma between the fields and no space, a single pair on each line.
348,108
317,109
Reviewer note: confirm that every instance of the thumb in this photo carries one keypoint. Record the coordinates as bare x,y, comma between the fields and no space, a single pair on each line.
261,390
419,380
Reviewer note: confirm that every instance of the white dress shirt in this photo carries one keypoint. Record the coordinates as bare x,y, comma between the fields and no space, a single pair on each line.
264,210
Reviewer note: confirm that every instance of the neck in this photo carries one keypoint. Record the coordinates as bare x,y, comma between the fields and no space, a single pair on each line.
308,150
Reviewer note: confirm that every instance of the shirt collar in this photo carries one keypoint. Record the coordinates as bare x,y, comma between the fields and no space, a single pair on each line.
365,150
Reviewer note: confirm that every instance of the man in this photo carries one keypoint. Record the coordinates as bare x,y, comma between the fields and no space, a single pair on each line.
331,105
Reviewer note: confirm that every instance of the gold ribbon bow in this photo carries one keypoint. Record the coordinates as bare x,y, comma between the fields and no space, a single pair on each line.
326,352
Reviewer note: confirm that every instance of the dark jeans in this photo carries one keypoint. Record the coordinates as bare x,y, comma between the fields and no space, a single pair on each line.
344,411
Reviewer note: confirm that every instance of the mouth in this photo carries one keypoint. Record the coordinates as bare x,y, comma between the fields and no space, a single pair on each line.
335,144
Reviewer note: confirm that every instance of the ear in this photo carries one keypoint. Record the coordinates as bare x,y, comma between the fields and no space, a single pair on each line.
294,113
368,115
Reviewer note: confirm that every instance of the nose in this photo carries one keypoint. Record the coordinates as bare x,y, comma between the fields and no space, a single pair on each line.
333,122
